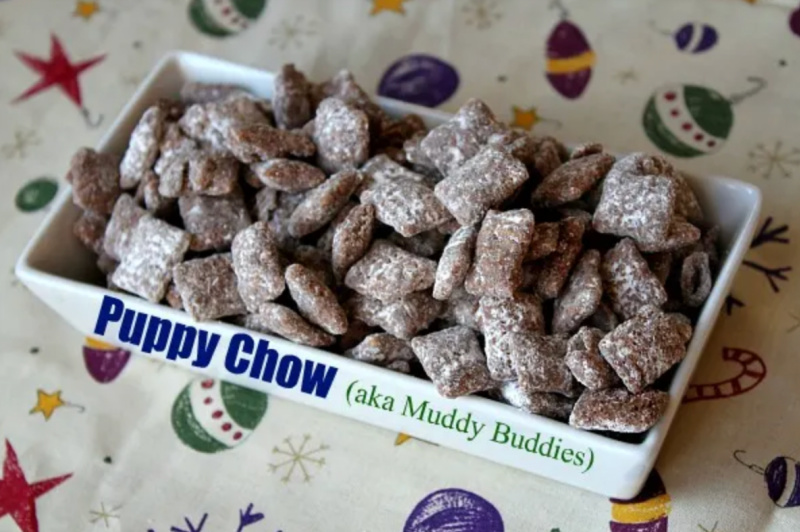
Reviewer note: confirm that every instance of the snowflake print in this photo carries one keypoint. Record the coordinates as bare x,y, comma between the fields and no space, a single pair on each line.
481,13
292,32
299,458
103,514
766,161
23,140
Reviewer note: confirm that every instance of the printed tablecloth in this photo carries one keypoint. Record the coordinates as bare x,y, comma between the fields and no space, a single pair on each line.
95,440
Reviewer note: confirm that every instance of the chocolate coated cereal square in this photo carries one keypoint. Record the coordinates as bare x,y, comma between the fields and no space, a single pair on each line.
628,281
388,272
617,410
208,287
586,363
95,181
213,221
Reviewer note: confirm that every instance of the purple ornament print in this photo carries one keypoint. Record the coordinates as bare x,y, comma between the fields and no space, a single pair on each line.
104,362
420,79
454,510
695,38
794,21
782,476
569,57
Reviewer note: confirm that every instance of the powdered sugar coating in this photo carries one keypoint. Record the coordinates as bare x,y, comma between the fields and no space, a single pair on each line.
291,101
208,287
257,263
315,301
453,360
388,272
352,238
195,92
283,321
552,405
503,241
89,229
414,153
119,230
322,203
254,142
455,262
617,410
385,350
213,174
213,221
628,281
681,234
95,181
288,175
381,169
544,240
480,184
572,180
341,134
142,147
581,296
212,122
154,248
539,362
643,348
522,313
148,194
518,143
586,363
175,153
404,317
696,280
555,268
461,309
585,149
408,207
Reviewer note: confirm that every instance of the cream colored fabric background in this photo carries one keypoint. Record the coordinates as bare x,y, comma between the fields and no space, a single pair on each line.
131,470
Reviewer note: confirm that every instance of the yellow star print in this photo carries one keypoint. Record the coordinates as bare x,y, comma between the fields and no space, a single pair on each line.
401,438
388,5
86,10
47,403
525,118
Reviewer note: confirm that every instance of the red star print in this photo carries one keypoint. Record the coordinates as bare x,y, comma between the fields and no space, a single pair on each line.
18,497
56,71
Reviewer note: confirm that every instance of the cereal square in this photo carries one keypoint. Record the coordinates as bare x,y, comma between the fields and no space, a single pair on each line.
404,317
388,272
628,281
291,102
385,350
617,410
208,287
581,296
586,363
143,147
119,230
408,207
552,405
572,180
341,134
95,181
539,362
213,221
522,313
173,161
213,174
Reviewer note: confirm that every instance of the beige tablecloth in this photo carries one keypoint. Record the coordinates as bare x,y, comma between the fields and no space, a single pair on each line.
106,446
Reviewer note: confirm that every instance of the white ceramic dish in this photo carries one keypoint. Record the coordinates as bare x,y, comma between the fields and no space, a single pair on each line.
57,268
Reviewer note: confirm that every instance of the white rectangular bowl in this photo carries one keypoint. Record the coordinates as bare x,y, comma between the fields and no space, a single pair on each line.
59,270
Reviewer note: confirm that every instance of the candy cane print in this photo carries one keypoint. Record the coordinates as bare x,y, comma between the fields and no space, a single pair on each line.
751,374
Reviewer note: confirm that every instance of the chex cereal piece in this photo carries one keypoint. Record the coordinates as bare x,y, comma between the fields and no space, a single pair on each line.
211,122
453,360
208,287
696,281
251,143
581,296
341,134
352,238
461,309
175,153
195,92
585,361
95,181
544,241
503,241
279,221
89,229
637,205
213,221
617,410
548,156
522,313
480,184
426,244
681,234
408,207
283,321
315,301
148,194
381,169
257,263
643,348
585,149
403,317
288,175
552,405
387,272
291,101
539,362
500,349
213,174
155,247
322,203
143,147
661,265
572,180
266,202
119,230
344,87
385,350
555,268
628,281
454,263
173,298
603,318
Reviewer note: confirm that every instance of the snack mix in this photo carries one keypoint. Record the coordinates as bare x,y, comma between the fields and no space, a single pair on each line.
472,254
